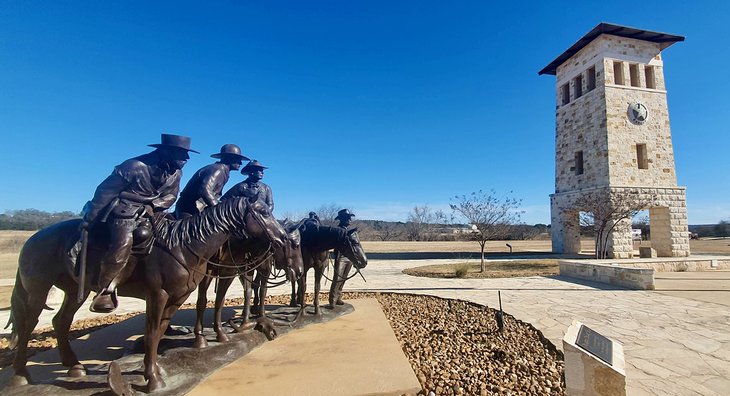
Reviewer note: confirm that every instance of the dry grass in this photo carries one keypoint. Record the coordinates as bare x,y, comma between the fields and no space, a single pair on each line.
12,241
493,269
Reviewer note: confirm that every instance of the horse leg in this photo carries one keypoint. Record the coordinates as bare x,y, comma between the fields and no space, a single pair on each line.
302,289
265,325
336,278
247,285
293,280
61,324
302,292
345,273
156,301
200,341
220,297
29,307
256,287
317,286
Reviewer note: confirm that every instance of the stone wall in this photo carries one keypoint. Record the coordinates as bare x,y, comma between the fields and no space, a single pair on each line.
623,136
596,123
610,274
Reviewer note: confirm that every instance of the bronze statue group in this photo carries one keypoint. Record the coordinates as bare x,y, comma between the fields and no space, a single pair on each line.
127,243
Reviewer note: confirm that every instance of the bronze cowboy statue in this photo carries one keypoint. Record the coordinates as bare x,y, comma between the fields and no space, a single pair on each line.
206,186
252,186
125,203
342,264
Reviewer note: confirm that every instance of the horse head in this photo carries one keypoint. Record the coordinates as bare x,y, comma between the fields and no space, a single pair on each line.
289,256
351,248
259,222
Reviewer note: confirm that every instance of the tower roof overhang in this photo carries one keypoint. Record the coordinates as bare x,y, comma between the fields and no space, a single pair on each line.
664,40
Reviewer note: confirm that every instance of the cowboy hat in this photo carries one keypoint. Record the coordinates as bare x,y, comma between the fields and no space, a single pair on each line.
174,141
230,150
252,166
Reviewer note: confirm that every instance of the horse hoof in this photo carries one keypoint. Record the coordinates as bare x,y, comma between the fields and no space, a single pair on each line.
77,370
18,380
200,342
222,337
155,383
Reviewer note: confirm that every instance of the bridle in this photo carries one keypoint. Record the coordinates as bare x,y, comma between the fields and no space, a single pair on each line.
249,264
338,252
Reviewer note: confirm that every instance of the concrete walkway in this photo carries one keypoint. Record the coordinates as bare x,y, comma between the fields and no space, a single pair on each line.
360,356
673,345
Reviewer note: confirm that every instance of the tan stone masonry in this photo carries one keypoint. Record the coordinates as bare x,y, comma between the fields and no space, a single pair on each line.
600,143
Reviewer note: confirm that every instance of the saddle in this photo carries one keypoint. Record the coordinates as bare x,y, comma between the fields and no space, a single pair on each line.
142,237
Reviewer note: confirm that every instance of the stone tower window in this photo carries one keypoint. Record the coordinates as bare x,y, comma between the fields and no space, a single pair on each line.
565,93
634,75
649,72
618,73
641,157
579,162
578,86
591,75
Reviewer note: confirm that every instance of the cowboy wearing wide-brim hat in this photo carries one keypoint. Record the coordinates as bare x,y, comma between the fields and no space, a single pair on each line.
344,217
342,265
252,186
206,186
125,199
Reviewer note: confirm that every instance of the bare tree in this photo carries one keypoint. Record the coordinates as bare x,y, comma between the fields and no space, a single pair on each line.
604,210
492,215
386,230
327,214
422,221
291,216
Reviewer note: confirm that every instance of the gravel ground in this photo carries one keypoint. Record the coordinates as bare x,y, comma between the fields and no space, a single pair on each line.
454,346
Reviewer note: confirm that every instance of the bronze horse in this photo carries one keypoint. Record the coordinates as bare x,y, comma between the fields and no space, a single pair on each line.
240,258
164,278
316,244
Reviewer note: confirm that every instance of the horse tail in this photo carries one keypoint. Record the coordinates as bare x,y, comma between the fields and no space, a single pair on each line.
18,308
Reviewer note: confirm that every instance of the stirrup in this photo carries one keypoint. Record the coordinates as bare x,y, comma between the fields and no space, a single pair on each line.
104,302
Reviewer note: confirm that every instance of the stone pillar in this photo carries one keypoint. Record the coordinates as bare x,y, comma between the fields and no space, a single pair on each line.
669,228
661,236
679,226
620,245
565,228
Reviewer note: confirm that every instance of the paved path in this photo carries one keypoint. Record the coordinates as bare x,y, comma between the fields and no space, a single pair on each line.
673,345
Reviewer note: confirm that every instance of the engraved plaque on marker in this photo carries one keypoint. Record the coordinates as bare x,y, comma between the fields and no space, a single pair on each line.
596,344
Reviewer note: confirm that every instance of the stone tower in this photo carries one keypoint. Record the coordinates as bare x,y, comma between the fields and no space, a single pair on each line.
612,134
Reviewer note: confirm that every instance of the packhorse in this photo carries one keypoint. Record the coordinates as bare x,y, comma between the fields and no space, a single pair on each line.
240,259
164,278
316,244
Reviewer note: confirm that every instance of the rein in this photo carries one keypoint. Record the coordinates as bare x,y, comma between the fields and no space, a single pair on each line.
241,269
256,262
338,254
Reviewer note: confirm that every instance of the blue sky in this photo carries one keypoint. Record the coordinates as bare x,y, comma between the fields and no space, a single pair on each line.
375,106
